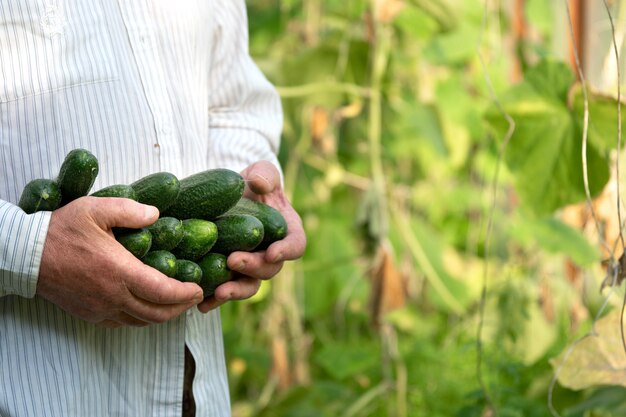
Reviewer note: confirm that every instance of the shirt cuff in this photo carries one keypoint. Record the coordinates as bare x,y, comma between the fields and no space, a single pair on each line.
22,238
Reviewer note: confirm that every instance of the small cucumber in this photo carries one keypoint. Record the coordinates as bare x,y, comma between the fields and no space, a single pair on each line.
161,260
207,194
215,272
138,242
40,195
237,232
199,236
117,190
274,224
77,174
188,271
167,232
159,189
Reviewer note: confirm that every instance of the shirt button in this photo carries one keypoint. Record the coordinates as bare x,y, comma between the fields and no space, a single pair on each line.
165,129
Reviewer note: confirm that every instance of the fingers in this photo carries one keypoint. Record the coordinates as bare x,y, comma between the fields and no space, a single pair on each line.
291,246
140,312
262,177
240,288
153,286
123,320
253,264
111,212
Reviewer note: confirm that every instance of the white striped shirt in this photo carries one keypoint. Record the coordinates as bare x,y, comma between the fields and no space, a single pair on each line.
146,86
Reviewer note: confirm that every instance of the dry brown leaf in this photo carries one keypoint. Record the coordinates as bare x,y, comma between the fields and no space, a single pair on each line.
597,359
386,10
388,284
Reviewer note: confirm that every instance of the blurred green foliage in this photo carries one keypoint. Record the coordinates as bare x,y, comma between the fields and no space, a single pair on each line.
391,145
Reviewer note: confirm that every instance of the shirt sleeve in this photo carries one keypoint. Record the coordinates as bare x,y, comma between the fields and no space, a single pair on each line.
22,237
245,110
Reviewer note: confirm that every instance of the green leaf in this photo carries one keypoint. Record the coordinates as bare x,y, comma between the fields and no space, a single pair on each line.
344,360
555,236
448,292
415,23
551,79
455,47
545,150
602,118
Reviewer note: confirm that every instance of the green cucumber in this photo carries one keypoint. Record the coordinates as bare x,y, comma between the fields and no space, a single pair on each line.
159,189
40,195
77,174
161,260
199,236
117,190
188,271
237,232
138,242
167,232
274,224
215,272
207,194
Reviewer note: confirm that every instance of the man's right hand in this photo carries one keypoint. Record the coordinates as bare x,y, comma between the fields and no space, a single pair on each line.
88,274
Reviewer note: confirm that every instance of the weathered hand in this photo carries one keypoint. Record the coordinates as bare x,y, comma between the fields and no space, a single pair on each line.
87,273
263,184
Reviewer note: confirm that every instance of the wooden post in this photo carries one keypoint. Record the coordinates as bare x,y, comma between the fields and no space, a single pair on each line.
577,12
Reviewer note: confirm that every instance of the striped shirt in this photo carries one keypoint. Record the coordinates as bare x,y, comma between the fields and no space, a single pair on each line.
146,86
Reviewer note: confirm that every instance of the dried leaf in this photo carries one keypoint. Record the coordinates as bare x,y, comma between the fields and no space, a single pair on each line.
320,133
388,284
280,362
597,359
386,10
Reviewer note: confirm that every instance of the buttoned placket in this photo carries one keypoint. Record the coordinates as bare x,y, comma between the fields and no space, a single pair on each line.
143,41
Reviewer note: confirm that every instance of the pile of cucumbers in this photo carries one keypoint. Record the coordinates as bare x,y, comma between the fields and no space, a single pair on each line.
203,217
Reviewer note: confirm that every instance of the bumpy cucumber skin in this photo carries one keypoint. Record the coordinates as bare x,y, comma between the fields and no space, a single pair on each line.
199,236
137,242
207,194
237,232
160,189
77,174
167,232
274,224
117,190
188,271
215,272
40,195
161,260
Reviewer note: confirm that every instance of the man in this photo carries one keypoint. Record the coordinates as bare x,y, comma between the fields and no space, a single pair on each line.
85,328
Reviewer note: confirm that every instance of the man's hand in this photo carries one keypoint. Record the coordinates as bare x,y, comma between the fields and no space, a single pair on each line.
87,273
262,184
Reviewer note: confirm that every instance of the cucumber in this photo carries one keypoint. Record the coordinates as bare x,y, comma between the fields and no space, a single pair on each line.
167,232
40,195
117,190
274,224
138,242
77,174
199,236
161,260
207,194
215,272
188,271
159,189
237,232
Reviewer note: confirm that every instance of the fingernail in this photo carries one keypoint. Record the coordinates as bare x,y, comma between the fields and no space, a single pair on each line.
241,266
278,257
150,212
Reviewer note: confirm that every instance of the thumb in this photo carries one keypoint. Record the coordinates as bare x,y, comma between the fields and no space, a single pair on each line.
112,212
262,177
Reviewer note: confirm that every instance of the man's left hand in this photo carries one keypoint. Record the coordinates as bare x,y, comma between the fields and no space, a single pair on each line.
249,268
